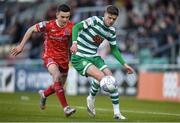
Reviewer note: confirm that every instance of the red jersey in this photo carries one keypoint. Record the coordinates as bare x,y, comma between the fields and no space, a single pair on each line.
57,39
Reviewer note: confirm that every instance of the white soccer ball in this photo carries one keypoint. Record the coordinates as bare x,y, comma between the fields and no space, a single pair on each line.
108,84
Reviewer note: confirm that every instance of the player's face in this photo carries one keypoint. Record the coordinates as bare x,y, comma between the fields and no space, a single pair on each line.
63,17
109,19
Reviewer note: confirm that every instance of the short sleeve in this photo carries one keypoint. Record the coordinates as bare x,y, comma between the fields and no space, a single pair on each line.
41,26
89,22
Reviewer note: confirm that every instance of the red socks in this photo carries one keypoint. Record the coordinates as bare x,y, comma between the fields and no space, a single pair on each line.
56,87
60,94
50,90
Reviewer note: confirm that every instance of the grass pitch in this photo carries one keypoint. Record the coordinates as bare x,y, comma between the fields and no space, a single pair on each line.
24,107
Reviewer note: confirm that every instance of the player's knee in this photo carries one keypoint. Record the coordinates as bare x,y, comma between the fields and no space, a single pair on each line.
100,75
107,72
58,87
56,77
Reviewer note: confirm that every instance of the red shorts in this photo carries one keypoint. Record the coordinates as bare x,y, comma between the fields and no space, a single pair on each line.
63,67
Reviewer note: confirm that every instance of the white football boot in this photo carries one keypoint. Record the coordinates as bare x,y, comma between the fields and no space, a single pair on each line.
42,102
90,107
68,111
119,116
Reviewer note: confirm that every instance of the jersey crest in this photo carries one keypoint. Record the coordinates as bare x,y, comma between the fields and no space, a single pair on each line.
67,32
98,39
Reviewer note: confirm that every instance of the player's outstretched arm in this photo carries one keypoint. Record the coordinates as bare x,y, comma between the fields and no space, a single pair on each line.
129,69
75,30
117,55
19,48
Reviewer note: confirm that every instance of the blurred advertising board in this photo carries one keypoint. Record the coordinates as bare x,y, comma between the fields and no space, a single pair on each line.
32,79
162,85
7,79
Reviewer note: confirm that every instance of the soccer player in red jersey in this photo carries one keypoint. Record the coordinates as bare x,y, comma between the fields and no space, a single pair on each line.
56,53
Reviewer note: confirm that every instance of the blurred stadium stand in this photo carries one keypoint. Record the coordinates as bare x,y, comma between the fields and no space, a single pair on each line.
143,26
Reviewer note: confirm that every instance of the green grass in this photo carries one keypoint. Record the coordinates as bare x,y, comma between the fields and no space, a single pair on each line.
23,107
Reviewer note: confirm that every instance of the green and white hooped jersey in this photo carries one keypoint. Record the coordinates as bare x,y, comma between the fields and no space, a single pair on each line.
92,35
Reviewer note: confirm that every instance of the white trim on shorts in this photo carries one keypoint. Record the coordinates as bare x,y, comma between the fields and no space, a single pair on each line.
85,68
103,67
53,62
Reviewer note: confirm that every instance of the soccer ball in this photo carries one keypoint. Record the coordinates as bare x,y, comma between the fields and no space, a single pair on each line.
108,84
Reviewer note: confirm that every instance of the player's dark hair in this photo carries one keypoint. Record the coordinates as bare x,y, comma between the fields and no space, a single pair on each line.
63,8
112,10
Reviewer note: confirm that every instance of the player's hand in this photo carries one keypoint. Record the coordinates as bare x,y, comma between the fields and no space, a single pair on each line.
74,48
17,50
129,69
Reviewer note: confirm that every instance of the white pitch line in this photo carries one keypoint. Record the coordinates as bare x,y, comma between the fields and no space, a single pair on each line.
130,111
155,113
101,109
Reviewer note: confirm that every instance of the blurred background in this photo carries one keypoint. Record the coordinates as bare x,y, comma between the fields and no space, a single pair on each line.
148,36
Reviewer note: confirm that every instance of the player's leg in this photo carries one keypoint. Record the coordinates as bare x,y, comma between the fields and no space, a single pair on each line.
67,110
43,96
50,90
54,71
95,85
115,102
94,72
94,88
58,87
114,98
85,67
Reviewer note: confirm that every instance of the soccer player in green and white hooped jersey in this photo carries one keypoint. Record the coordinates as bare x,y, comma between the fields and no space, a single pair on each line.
87,36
